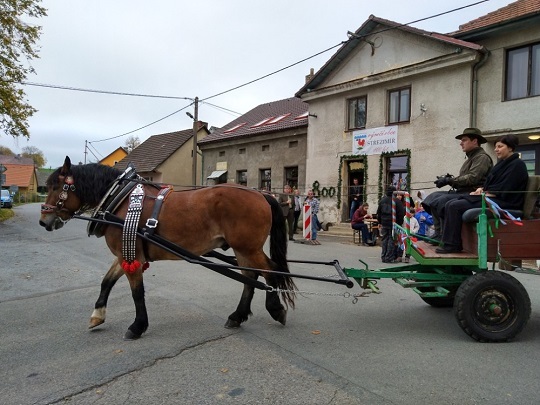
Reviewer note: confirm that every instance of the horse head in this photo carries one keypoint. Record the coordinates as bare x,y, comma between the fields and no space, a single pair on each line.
62,200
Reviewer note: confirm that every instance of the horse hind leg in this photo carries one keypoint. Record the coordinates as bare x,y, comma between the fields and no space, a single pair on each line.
107,284
243,310
273,304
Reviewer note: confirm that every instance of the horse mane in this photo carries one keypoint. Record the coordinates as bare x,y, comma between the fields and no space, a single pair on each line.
91,182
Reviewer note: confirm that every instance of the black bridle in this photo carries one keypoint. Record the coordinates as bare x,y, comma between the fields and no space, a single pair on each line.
69,185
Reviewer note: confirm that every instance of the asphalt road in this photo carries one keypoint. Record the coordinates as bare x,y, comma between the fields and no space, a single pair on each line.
389,348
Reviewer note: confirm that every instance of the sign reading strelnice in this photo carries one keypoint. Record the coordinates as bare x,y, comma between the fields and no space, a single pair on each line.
374,141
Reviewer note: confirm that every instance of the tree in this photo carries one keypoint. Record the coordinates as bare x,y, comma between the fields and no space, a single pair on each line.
35,154
4,150
131,143
17,49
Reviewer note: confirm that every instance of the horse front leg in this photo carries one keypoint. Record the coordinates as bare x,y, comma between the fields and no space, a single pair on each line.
107,284
243,310
139,326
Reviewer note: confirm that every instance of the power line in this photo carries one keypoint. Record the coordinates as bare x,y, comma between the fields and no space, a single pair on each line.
355,37
145,126
116,93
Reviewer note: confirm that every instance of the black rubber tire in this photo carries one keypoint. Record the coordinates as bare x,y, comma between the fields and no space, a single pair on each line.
492,306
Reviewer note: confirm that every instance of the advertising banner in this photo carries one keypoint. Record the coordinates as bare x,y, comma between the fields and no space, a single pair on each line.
374,141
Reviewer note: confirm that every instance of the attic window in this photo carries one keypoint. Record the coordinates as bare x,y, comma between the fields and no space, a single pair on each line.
302,116
261,123
234,128
277,119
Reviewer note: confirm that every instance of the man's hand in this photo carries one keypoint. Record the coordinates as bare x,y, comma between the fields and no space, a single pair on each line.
442,181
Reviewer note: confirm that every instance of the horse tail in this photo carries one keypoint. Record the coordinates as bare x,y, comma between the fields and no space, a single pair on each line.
278,251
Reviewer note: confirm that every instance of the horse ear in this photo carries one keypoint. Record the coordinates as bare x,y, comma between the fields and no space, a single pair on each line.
67,166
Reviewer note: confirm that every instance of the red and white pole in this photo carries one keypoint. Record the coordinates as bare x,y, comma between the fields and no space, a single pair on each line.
307,222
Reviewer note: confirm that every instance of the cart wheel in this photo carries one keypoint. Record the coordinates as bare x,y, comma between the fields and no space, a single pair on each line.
492,307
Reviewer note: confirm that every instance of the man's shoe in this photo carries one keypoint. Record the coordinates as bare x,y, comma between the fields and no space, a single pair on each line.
448,249
291,239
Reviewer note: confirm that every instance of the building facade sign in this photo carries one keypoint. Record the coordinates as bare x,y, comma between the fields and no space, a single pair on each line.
375,141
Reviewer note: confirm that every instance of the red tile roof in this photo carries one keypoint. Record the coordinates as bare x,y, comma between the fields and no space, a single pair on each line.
280,115
19,175
517,9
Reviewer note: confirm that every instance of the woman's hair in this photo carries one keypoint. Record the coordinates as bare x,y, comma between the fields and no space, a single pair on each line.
509,140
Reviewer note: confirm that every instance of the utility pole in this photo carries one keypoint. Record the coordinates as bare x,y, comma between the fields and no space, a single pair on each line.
85,150
195,130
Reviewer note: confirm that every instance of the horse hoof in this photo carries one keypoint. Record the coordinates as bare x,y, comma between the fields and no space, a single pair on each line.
129,335
230,324
95,322
282,318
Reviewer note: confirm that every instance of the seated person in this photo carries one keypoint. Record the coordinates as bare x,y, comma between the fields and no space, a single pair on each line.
357,222
505,184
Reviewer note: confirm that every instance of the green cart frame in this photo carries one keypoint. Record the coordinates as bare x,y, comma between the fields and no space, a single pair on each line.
489,305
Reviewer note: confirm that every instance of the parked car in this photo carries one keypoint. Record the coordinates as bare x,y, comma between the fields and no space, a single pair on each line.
6,199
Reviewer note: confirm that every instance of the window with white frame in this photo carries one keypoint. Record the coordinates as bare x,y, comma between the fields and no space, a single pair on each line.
399,105
357,113
522,72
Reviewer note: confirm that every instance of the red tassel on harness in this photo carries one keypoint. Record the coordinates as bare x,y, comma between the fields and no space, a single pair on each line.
131,267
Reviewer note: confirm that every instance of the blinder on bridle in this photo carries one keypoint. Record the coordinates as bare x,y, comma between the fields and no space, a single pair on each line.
69,184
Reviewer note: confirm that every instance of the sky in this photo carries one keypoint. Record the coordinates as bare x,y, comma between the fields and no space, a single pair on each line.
183,50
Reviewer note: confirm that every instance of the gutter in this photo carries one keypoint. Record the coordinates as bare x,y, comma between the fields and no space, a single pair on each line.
474,89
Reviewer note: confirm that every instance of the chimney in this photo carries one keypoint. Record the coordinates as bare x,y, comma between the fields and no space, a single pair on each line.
310,75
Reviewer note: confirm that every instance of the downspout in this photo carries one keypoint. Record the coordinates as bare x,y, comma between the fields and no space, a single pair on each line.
474,89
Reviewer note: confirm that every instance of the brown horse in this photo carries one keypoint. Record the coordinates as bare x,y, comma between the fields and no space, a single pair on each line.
199,221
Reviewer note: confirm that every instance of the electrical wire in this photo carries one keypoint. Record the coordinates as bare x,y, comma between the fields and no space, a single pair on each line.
145,126
355,37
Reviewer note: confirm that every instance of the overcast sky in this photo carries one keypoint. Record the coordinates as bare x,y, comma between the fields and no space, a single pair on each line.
187,49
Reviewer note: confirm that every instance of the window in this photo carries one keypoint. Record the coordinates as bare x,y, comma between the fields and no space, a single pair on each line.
399,105
265,148
241,177
228,131
277,119
291,176
293,144
357,113
530,154
221,153
396,172
523,72
265,179
242,151
262,122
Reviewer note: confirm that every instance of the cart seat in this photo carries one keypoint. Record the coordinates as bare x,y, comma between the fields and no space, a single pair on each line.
531,206
472,214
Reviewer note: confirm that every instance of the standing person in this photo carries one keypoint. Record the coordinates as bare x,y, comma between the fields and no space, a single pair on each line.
355,197
297,209
312,201
399,250
505,185
286,202
384,217
414,227
357,222
472,175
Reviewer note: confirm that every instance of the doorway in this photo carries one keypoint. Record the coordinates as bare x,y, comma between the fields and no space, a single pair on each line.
355,191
